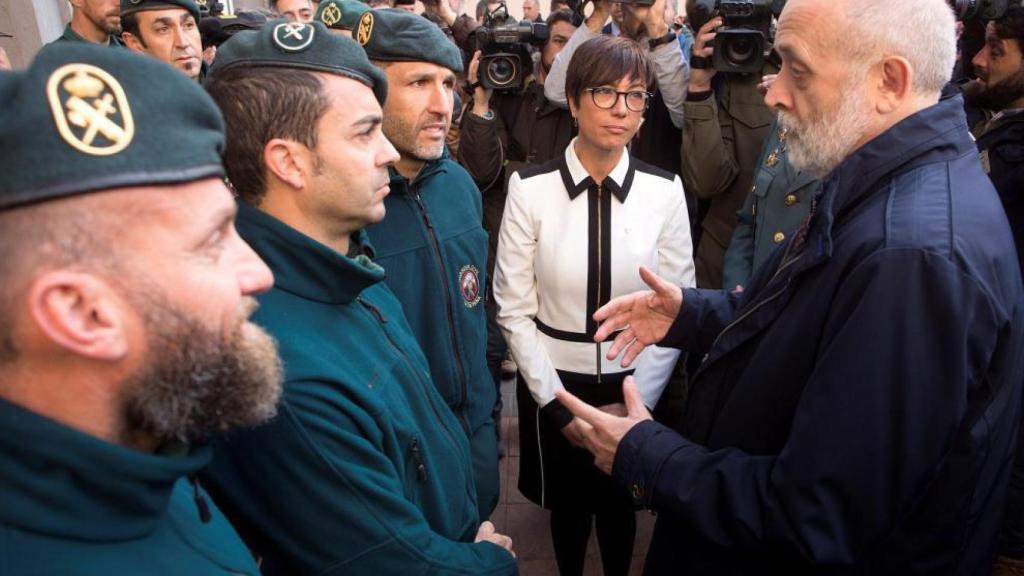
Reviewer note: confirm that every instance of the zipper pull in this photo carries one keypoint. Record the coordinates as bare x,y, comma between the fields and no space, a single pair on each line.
421,468
373,310
423,211
201,504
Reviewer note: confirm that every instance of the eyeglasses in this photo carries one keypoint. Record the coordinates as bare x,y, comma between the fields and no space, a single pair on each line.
606,98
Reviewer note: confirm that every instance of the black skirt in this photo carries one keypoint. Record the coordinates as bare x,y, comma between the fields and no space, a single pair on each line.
552,472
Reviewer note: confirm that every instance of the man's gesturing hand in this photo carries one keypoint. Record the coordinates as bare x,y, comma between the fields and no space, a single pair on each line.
602,431
644,317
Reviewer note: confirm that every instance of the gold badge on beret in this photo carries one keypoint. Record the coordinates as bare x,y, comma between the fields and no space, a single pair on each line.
293,36
331,14
90,109
365,28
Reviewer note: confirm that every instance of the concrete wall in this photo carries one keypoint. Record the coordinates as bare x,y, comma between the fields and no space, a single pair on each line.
33,23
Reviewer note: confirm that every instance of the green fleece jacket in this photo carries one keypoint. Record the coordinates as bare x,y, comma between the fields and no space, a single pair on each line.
73,504
433,247
365,470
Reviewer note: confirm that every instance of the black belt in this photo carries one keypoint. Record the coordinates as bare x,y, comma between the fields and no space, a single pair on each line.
581,337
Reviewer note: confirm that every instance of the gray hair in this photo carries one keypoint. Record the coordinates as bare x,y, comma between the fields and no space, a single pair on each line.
922,31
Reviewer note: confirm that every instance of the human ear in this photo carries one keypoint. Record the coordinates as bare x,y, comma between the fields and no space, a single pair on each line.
893,86
80,313
288,161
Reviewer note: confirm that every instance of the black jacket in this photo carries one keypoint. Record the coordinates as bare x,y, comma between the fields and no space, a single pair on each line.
857,407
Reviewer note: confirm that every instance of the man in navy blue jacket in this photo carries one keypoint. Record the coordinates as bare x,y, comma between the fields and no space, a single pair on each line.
857,405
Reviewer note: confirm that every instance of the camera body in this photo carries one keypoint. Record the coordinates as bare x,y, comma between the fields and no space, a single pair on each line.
742,43
504,45
979,9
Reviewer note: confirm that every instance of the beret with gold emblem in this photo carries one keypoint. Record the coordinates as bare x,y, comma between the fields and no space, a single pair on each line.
340,14
396,35
84,118
132,6
309,46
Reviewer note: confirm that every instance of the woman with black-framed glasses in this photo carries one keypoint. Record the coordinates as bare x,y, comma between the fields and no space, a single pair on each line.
574,233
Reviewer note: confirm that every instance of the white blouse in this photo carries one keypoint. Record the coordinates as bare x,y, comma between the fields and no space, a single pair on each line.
566,247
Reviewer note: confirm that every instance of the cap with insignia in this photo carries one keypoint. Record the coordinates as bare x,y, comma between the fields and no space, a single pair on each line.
309,46
132,6
396,35
340,14
85,118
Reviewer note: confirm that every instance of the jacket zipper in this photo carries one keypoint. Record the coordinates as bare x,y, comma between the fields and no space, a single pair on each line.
785,264
379,316
417,458
448,307
600,258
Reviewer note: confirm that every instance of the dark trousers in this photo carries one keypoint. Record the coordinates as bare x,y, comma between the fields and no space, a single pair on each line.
616,531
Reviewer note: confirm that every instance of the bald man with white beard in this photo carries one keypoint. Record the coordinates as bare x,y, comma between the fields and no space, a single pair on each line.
856,407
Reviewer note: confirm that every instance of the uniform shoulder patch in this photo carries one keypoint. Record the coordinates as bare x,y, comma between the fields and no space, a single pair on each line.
90,109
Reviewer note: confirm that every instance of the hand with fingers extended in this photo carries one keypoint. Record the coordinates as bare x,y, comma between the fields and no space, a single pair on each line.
487,533
602,432
644,317
700,78
574,432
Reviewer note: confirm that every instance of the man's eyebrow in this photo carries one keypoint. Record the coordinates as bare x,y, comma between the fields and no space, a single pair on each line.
369,119
788,53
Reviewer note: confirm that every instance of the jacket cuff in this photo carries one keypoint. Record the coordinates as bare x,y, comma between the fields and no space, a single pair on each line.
639,458
705,109
556,414
684,327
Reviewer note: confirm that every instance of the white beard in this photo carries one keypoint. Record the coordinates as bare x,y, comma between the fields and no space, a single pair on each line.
829,136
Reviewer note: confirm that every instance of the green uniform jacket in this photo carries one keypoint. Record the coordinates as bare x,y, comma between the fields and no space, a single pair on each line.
775,207
70,35
73,504
722,138
434,249
364,470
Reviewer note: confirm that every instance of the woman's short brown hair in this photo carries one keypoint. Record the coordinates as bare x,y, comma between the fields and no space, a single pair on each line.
604,61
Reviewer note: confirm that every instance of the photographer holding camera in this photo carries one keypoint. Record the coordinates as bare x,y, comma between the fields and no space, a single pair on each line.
657,143
726,125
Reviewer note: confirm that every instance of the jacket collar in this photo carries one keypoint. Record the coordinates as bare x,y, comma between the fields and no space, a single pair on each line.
430,168
938,133
60,482
576,179
305,267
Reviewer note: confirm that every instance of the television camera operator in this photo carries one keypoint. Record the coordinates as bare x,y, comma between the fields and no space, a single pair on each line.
726,119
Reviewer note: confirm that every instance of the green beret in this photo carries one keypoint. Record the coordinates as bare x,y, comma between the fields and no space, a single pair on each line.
85,118
133,6
340,14
310,46
396,35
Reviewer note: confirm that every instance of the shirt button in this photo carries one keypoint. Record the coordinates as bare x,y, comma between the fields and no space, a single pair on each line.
790,199
779,238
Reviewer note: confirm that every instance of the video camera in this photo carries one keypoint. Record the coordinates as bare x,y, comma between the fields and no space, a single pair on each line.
504,44
979,9
742,42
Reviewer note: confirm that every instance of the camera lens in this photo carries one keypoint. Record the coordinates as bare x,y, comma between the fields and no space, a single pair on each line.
740,50
963,9
501,71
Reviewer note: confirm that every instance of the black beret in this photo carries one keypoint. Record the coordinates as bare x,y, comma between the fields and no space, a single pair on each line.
215,30
85,118
342,14
132,6
396,35
309,46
